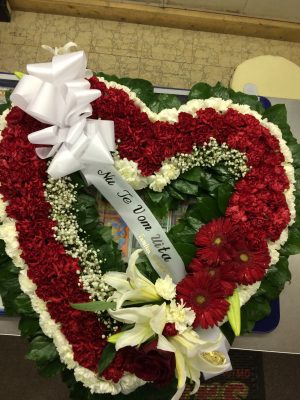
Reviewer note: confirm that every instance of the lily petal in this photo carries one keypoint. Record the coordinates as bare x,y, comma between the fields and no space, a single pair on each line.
118,280
132,315
159,320
135,336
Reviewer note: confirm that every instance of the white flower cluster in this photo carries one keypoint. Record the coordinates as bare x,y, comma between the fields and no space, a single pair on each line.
61,194
212,154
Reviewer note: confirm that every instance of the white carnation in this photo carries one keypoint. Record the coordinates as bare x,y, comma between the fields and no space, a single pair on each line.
130,172
166,288
158,182
3,122
180,315
169,171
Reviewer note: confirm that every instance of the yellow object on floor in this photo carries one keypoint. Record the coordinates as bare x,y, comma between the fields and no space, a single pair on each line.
273,76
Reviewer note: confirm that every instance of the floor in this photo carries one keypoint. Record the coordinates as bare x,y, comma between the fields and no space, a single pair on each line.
19,379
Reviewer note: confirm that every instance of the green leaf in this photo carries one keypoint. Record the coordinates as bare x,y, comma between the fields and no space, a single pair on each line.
204,179
42,349
50,369
224,193
193,175
29,326
242,98
142,88
292,245
205,210
94,306
174,193
23,304
186,251
254,310
194,223
164,101
219,91
200,91
107,357
145,268
182,232
185,187
278,115
156,197
274,282
160,209
295,149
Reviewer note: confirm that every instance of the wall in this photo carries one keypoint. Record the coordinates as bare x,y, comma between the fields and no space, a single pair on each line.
165,56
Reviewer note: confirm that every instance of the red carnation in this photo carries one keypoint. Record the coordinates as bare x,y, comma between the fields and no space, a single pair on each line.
214,240
205,295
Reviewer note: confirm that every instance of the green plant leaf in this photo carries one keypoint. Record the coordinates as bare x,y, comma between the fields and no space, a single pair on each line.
219,91
274,282
186,251
278,115
42,349
205,210
94,306
292,245
242,98
51,368
23,304
223,194
145,268
107,357
174,193
29,326
295,149
156,197
254,310
200,91
185,187
164,101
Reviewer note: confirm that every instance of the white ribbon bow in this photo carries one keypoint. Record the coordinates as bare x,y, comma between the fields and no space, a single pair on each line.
56,93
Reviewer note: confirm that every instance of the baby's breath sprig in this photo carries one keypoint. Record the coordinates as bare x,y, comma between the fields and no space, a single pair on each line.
61,194
210,155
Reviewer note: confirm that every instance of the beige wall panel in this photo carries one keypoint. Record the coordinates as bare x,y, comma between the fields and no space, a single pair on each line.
165,56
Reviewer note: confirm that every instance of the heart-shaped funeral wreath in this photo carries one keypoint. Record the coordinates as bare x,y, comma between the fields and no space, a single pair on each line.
129,308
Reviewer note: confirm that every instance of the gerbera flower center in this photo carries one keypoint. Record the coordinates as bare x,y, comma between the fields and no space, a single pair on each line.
200,299
244,257
218,240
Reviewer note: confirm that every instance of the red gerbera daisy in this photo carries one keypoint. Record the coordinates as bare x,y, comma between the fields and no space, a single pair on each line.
249,262
214,240
226,276
205,295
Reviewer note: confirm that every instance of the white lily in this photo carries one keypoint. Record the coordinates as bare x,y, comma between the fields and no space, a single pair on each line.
189,349
148,320
134,286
